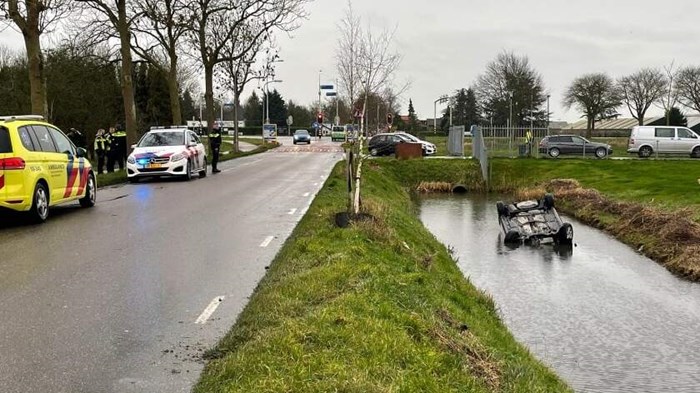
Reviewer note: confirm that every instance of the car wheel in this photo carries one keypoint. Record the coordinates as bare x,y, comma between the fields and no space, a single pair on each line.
645,152
554,152
695,153
548,201
203,172
39,211
512,237
374,152
188,171
601,152
90,192
501,208
565,235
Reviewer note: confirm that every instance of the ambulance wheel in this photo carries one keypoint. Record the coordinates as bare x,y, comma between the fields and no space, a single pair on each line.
90,192
39,211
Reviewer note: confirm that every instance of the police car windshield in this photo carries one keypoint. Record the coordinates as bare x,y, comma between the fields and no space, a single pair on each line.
155,139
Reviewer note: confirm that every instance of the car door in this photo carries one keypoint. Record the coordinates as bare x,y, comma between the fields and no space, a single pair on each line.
686,141
76,171
664,139
199,147
565,144
578,145
56,163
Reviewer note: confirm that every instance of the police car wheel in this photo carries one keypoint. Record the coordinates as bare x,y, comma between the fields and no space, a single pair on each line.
39,211
90,193
203,172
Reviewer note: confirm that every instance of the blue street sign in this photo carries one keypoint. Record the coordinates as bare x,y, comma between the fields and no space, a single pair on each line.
315,125
331,94
326,87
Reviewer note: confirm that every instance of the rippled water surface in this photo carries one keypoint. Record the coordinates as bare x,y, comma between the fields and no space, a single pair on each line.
605,318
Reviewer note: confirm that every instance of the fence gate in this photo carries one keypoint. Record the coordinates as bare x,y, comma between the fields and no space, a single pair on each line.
455,141
513,141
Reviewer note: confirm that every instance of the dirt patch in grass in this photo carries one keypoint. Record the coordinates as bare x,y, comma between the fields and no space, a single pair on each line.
672,238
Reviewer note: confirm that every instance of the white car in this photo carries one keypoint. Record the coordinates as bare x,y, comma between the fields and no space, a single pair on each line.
167,152
428,148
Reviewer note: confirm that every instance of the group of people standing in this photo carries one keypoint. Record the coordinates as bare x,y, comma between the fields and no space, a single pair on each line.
110,149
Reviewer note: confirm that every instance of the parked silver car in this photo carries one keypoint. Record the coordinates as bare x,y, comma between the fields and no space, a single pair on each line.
647,140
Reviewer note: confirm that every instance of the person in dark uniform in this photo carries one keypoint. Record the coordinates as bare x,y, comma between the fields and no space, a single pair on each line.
215,145
101,149
118,146
111,155
76,137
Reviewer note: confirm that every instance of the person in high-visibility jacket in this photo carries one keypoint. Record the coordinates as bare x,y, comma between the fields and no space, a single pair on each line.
528,142
215,145
101,149
118,146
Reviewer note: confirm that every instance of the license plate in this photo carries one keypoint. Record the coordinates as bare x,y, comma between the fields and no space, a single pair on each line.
154,166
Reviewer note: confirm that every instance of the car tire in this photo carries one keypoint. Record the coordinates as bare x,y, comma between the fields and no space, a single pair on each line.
203,172
548,201
512,237
554,152
39,211
501,208
188,171
374,152
565,234
645,152
601,152
90,192
695,153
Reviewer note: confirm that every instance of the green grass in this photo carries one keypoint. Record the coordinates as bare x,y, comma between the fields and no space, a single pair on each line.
377,307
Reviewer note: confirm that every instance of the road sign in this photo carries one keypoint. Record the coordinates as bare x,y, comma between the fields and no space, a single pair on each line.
269,131
331,94
290,120
315,125
326,87
337,120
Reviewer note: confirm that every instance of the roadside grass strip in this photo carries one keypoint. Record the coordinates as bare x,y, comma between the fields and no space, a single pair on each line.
380,306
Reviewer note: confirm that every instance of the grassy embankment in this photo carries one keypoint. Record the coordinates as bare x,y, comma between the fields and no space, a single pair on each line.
377,307
110,179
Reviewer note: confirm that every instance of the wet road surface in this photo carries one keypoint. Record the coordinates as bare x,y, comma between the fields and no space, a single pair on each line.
604,317
108,299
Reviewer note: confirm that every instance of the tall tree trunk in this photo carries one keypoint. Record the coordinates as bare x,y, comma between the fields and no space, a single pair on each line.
209,94
236,103
589,128
174,87
37,83
126,77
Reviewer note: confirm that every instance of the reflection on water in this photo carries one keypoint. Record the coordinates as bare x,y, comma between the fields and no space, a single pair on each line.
605,318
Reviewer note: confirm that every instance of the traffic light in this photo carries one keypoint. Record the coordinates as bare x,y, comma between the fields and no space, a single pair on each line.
319,118
389,118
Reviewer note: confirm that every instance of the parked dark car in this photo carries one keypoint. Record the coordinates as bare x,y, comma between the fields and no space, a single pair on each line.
533,221
385,144
302,136
556,145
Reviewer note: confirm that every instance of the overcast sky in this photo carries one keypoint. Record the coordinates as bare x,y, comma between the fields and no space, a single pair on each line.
446,44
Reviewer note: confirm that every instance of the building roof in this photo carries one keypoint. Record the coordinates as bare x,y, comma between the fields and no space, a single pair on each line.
621,123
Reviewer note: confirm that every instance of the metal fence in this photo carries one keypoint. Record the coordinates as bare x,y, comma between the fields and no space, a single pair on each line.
512,141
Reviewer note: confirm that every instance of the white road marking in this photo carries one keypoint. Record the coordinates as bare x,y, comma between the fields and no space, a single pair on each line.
209,310
307,194
267,241
291,212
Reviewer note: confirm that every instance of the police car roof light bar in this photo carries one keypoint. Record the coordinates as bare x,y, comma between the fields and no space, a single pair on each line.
21,117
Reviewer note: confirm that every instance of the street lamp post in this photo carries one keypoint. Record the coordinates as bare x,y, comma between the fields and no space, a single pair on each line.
267,99
442,99
548,114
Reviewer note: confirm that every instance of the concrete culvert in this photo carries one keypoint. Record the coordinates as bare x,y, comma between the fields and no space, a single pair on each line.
459,189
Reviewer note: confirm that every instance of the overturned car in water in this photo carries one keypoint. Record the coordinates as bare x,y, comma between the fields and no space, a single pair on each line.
533,221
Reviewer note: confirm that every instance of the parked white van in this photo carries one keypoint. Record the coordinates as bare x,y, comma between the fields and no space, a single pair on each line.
648,140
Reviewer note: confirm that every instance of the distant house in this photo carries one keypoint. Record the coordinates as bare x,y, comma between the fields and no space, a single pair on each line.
621,126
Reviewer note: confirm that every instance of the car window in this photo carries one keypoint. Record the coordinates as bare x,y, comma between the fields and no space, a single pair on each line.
62,142
44,138
5,145
193,139
155,139
565,139
665,132
685,133
577,140
28,139
553,139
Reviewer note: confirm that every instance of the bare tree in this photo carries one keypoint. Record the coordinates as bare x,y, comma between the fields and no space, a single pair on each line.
347,52
115,18
596,96
34,18
688,87
642,89
236,74
159,33
215,22
670,97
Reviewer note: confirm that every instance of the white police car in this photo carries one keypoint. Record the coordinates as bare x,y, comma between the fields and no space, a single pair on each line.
167,152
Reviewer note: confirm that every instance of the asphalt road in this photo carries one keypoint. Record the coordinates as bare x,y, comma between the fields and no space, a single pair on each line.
108,299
